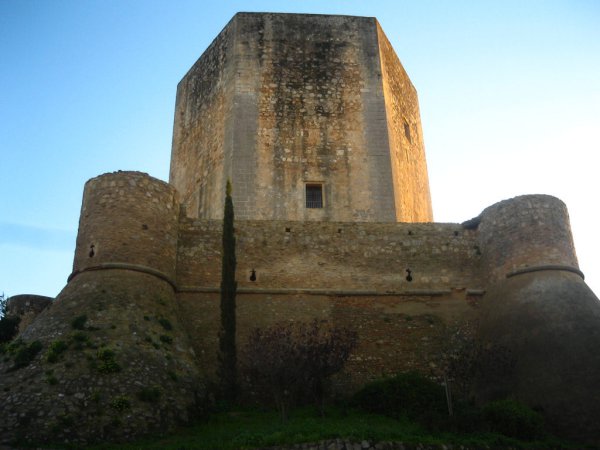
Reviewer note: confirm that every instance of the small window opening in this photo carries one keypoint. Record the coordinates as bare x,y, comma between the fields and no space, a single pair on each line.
144,226
409,277
287,230
92,252
339,230
314,195
253,275
407,131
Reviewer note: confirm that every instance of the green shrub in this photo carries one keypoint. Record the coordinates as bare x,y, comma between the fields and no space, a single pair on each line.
467,418
106,361
9,327
120,403
78,323
409,395
172,375
51,379
165,324
150,394
25,354
96,396
166,339
55,350
513,419
80,340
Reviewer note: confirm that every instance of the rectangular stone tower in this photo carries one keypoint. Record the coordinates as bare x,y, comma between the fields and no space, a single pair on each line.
312,117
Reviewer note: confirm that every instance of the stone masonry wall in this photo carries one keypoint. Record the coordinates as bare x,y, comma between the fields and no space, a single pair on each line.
110,336
320,118
127,218
350,275
279,101
525,232
333,256
407,151
200,154
396,332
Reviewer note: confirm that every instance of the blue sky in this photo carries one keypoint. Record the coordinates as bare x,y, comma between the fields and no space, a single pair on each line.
509,94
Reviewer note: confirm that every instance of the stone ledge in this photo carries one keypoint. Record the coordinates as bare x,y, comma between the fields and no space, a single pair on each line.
126,266
545,267
329,292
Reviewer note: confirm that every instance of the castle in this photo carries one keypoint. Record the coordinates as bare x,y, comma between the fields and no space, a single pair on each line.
317,125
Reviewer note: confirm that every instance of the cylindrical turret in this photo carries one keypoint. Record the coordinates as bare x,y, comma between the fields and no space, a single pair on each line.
128,219
525,233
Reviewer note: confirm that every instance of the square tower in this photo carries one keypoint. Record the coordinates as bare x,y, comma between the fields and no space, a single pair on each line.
312,117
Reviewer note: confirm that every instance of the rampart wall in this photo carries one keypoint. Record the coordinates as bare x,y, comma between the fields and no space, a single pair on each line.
402,286
352,275
370,257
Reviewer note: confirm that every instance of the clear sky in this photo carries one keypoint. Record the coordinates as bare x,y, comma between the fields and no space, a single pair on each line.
509,93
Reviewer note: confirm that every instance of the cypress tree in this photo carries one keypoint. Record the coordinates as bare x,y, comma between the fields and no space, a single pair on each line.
227,347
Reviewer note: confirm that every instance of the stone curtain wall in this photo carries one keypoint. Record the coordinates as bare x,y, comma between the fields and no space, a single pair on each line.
396,332
200,157
333,256
407,151
345,273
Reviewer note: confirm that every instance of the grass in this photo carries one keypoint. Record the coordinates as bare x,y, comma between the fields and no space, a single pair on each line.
251,429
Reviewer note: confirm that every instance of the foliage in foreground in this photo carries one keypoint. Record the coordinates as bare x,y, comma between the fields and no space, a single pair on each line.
289,362
512,418
414,397
9,326
256,429
409,395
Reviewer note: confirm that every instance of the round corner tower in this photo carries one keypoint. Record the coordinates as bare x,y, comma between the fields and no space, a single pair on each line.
539,313
128,219
526,233
312,117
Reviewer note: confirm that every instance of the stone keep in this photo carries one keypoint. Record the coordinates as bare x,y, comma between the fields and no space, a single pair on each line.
285,105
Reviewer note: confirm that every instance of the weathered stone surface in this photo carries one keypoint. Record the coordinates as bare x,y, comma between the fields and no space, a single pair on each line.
281,100
278,101
27,307
549,322
93,390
